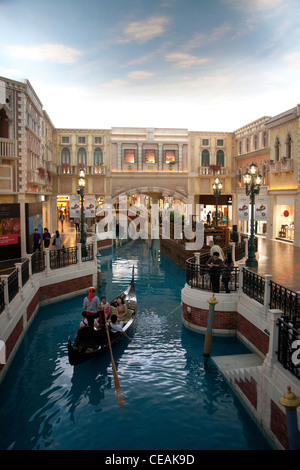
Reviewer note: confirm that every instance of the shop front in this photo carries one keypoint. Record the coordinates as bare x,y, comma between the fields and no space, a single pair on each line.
285,217
208,207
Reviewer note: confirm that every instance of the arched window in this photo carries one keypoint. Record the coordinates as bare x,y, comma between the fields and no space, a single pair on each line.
98,157
240,147
264,175
205,158
220,160
277,149
288,146
265,140
247,145
255,142
65,156
81,156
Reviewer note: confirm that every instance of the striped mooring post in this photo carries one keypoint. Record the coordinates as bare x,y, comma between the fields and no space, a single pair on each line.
210,323
99,273
291,402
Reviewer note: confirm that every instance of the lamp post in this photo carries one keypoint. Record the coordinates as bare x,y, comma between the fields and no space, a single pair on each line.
217,188
252,181
81,184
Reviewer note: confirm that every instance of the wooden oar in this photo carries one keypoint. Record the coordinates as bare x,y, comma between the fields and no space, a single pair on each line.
119,393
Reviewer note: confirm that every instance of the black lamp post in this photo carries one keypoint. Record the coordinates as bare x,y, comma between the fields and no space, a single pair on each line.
217,187
81,183
252,181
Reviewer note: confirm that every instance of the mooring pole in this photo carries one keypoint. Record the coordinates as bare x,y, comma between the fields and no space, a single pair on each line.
99,273
210,323
290,401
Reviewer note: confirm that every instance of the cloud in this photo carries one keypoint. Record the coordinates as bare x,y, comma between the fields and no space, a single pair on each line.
140,75
185,60
255,5
143,31
44,52
117,83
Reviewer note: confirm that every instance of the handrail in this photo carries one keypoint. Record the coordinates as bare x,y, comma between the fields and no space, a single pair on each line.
11,284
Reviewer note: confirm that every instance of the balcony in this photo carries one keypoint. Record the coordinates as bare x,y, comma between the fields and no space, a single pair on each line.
8,148
213,170
71,170
283,165
35,178
51,167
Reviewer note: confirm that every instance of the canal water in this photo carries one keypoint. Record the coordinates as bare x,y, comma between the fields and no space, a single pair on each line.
171,401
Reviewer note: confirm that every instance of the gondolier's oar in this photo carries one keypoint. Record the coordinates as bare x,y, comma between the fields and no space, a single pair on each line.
119,393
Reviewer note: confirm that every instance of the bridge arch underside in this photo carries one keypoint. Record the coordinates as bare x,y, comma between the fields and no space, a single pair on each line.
155,192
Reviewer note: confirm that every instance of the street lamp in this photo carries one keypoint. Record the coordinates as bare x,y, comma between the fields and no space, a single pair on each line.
217,187
252,181
81,184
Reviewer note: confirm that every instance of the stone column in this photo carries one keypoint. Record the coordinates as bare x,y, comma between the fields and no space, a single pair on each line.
119,156
160,157
140,160
180,156
271,357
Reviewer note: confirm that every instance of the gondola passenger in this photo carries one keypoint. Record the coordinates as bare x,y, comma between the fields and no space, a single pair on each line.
122,310
117,327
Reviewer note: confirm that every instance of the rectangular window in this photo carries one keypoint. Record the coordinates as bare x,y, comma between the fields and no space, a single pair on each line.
129,156
220,142
98,140
205,142
170,156
150,156
65,140
81,140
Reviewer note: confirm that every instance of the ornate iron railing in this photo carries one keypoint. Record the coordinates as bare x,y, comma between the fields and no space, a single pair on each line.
13,285
254,285
38,262
25,272
63,257
87,252
288,353
287,301
198,277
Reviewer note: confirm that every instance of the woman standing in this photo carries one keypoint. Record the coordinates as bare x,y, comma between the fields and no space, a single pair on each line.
57,240
228,267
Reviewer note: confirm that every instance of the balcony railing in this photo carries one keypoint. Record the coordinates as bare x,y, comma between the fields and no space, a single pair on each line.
51,167
72,170
281,166
206,170
34,177
7,148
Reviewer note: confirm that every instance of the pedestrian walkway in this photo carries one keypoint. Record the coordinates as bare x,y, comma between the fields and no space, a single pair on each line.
282,260
69,235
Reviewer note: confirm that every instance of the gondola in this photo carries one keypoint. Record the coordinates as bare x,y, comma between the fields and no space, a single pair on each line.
89,344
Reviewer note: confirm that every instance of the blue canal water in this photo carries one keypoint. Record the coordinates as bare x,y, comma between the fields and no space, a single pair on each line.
171,401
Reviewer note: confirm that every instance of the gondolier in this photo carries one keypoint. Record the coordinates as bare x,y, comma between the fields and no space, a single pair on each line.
95,341
92,305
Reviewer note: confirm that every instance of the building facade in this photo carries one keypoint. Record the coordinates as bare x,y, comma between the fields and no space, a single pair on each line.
39,167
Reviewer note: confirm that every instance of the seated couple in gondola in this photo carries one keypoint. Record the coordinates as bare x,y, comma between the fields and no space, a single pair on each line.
95,309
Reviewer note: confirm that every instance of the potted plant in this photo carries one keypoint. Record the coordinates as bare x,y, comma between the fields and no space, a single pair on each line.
42,172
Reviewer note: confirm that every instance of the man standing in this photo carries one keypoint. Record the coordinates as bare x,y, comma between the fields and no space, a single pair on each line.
36,240
215,264
46,238
92,305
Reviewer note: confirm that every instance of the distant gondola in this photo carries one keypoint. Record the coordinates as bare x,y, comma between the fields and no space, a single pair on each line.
92,343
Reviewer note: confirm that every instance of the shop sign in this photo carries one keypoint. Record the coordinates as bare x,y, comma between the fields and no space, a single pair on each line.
74,206
261,208
243,208
89,206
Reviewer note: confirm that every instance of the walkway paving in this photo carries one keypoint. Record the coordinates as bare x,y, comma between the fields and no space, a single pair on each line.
282,260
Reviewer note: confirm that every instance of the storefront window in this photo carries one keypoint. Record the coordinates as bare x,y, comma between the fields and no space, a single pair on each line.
285,222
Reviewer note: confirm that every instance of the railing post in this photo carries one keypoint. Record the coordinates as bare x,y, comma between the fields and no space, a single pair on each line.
271,357
95,249
4,278
47,260
232,251
268,278
29,267
19,270
241,267
79,254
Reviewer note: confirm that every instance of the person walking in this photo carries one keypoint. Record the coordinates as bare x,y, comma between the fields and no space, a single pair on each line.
46,238
214,247
36,240
62,218
77,220
56,241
